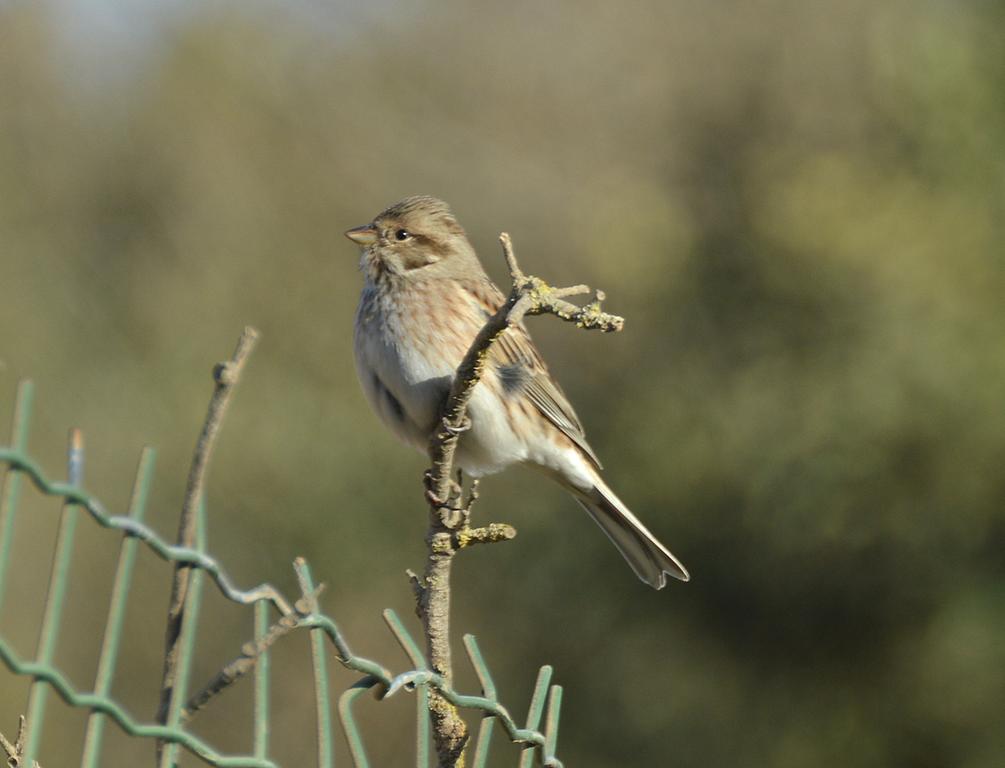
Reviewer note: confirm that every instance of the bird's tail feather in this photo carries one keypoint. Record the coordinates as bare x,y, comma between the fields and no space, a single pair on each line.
650,560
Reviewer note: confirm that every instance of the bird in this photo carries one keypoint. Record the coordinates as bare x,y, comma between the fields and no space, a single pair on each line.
425,297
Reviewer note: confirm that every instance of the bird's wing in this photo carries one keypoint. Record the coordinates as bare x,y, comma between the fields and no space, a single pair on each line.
523,371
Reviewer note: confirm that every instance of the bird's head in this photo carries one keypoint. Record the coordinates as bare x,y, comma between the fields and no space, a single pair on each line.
416,237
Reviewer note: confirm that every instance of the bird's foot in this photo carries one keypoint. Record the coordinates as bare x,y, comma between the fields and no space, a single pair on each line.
464,426
451,511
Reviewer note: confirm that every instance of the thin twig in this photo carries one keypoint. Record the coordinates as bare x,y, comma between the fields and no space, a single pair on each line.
251,652
225,375
9,749
15,751
449,529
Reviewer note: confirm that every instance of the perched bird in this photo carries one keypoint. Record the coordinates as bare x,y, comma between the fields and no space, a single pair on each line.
424,299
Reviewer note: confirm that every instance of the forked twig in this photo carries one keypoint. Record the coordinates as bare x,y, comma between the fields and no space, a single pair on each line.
15,751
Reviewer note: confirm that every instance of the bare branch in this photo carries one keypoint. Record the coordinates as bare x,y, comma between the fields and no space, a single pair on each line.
225,375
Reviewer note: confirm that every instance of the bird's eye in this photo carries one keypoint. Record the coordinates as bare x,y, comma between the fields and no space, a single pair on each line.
402,234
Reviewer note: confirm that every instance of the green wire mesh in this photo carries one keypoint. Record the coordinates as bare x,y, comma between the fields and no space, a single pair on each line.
538,746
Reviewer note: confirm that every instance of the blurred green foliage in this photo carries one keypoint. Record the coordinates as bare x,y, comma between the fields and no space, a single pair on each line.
798,207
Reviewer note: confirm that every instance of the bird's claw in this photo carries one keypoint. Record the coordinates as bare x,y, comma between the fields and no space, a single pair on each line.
452,511
431,496
464,426
435,500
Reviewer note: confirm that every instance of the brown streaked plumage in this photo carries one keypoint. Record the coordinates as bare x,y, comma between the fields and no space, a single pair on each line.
424,299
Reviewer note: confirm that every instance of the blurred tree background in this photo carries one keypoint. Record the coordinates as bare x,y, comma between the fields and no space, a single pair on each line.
799,209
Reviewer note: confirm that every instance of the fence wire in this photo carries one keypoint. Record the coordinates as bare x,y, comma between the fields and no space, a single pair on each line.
538,742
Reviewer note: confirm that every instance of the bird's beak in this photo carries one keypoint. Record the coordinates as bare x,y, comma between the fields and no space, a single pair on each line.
365,235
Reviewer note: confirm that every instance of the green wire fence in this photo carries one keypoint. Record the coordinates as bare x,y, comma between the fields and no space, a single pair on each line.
537,742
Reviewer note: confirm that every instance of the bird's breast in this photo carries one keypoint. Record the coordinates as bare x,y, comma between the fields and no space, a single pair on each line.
408,343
